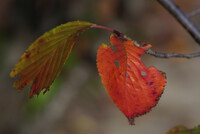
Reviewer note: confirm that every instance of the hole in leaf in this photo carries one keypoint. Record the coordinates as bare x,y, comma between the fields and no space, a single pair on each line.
143,73
113,48
117,63
127,75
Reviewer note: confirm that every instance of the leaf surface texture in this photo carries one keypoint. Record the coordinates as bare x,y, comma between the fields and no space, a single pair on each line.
133,87
43,60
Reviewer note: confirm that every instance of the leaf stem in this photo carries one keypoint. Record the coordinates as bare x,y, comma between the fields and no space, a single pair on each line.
117,33
102,27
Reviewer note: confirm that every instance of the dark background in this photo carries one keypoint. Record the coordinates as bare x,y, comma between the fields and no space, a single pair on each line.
77,102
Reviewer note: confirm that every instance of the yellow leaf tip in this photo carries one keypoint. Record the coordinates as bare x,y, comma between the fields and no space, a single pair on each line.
12,74
104,45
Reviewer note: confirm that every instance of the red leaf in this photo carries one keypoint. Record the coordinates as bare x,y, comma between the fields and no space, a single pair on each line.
134,88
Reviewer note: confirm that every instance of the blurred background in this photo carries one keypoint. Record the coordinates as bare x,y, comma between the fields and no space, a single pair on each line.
77,102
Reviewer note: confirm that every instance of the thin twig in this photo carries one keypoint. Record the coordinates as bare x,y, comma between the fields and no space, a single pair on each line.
181,18
193,13
167,55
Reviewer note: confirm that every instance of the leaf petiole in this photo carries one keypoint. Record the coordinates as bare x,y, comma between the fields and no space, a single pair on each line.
119,34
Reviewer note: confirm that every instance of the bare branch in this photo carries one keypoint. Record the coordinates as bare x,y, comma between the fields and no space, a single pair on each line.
193,13
167,55
181,18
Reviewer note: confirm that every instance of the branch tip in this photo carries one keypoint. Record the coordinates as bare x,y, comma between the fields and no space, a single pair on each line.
180,16
172,55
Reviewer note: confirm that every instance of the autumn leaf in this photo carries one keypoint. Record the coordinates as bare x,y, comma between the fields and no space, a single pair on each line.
184,130
43,60
134,88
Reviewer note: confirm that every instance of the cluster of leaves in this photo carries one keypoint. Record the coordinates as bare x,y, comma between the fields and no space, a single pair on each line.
133,87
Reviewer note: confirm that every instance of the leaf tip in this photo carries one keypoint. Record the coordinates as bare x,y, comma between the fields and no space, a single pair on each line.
12,73
104,45
19,85
163,74
131,120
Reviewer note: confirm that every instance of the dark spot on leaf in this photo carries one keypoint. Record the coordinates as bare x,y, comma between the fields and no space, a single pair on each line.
154,92
38,51
157,99
143,73
40,41
117,63
120,73
47,89
27,54
113,48
163,74
137,115
144,45
147,110
154,88
150,83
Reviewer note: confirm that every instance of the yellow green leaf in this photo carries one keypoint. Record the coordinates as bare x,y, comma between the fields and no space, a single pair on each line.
42,62
184,130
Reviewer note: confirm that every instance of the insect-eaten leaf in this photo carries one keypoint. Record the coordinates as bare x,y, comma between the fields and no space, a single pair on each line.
134,88
43,60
